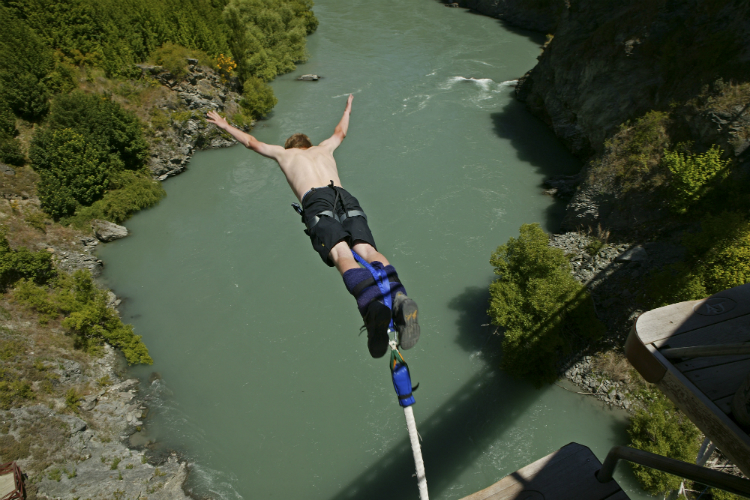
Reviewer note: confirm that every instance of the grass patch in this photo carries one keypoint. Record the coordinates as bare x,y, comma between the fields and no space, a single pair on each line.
633,155
86,315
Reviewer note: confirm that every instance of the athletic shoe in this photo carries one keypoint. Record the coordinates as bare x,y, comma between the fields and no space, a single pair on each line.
405,320
377,318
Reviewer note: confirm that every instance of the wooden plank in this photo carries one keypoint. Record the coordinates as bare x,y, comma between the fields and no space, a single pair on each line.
642,359
686,316
567,474
698,363
732,331
720,381
714,423
725,404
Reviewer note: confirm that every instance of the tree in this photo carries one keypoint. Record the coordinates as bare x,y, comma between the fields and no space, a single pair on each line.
25,62
71,171
102,122
545,312
661,429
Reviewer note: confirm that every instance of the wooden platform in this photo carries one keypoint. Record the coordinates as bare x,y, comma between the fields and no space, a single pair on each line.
567,474
702,387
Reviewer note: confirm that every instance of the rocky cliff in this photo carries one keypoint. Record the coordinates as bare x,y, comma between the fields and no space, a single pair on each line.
610,62
536,15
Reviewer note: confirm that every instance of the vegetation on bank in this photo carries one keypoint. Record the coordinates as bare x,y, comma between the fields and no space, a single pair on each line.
702,192
544,312
75,108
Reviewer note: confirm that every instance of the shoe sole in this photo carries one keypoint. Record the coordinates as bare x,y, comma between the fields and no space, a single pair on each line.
377,330
405,318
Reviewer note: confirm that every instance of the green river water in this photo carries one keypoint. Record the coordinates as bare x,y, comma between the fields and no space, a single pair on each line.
266,386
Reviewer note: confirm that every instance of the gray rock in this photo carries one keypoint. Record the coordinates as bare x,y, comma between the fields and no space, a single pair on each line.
635,254
6,169
108,231
308,78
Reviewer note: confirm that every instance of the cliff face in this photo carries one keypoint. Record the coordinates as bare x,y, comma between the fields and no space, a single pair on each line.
536,15
611,61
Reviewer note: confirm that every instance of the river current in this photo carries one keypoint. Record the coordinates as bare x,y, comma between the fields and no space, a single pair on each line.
261,378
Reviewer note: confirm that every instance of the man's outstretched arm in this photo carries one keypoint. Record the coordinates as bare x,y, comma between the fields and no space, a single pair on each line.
341,129
247,140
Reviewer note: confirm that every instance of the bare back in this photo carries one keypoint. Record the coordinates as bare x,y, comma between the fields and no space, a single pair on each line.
304,168
308,168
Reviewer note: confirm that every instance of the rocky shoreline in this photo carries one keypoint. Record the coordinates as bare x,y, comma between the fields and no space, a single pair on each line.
200,91
91,457
81,445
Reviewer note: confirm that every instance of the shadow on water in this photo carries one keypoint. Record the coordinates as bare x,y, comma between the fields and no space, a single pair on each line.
536,145
462,428
535,36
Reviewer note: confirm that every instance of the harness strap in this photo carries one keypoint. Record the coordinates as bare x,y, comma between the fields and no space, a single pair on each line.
381,278
367,284
341,218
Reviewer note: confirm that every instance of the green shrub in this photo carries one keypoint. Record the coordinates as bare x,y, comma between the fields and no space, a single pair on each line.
102,122
723,495
693,175
115,34
72,171
25,62
718,258
72,399
23,263
10,148
257,98
267,37
131,192
88,318
174,58
660,428
545,312
115,463
634,153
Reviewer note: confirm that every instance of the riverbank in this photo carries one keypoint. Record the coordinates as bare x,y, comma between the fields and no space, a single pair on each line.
80,436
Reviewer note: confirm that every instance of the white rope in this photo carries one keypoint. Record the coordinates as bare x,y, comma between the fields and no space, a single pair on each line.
414,437
417,450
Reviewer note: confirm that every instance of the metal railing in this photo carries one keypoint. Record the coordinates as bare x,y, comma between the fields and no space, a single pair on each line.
715,479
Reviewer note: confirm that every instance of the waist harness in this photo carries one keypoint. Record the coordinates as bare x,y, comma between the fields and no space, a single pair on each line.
329,213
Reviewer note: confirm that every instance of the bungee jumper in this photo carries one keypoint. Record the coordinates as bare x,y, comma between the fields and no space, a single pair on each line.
338,229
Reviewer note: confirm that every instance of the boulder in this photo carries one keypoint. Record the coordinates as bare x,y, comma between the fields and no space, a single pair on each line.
6,169
308,78
108,231
635,254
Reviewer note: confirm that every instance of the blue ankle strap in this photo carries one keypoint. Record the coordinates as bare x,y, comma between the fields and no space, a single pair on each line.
381,278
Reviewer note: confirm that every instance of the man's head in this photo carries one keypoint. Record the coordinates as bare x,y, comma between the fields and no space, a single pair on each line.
298,141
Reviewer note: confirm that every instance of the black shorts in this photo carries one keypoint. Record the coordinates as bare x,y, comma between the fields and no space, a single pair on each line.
327,231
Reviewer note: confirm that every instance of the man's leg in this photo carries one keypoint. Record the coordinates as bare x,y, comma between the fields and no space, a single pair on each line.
404,308
376,315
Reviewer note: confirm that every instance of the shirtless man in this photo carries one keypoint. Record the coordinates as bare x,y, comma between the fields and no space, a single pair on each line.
337,224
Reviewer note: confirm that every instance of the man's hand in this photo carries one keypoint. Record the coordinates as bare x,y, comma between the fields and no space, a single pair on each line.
216,119
349,103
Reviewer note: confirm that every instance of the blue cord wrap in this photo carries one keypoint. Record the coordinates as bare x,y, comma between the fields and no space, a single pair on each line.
402,384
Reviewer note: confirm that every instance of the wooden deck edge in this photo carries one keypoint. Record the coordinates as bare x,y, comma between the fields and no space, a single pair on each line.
566,474
641,358
709,418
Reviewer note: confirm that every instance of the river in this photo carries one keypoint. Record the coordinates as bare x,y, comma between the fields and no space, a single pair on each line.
263,381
